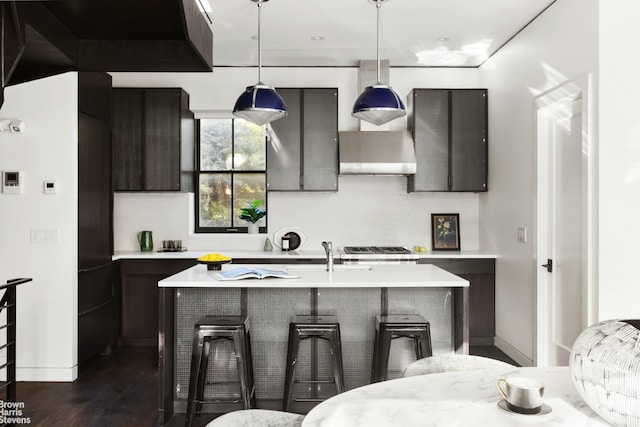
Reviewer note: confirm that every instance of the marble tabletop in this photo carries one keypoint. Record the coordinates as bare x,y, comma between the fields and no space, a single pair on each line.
452,399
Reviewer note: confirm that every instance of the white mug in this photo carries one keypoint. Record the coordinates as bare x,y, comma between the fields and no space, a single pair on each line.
522,394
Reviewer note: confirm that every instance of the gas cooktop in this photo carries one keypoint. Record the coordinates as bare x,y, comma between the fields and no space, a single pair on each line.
377,254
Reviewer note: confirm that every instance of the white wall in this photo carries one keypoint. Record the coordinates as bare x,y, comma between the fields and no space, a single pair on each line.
619,160
366,209
558,46
46,150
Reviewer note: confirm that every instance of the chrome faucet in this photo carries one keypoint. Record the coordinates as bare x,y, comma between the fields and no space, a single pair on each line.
328,248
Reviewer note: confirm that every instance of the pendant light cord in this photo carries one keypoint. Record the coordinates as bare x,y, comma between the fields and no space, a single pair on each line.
259,46
378,3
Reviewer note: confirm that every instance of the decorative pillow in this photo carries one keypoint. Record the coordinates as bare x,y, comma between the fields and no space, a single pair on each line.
452,362
257,418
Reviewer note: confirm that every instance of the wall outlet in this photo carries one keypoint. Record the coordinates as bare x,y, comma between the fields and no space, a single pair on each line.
522,234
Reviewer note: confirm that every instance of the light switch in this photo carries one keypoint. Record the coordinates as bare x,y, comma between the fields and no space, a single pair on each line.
522,234
44,235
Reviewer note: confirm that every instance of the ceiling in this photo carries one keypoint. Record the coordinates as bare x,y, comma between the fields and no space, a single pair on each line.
413,33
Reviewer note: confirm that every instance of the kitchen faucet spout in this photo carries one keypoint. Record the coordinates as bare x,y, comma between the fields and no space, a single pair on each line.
328,248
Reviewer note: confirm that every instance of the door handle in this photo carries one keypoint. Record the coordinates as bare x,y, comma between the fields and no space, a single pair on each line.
548,265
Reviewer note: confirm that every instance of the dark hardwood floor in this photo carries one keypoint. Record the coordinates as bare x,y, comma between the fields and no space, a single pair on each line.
119,390
111,391
491,352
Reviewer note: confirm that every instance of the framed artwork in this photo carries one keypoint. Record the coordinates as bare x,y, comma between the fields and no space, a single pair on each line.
445,232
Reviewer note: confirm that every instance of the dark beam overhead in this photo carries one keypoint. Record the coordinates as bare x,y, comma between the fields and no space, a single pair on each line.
12,40
113,35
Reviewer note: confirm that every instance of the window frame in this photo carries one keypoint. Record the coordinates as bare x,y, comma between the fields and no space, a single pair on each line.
198,172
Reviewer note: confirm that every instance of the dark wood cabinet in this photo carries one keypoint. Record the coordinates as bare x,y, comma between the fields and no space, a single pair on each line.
480,272
139,297
96,303
482,308
94,192
302,151
97,312
450,131
153,140
127,139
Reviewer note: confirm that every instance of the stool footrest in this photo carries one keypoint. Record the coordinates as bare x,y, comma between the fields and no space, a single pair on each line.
214,401
403,330
314,381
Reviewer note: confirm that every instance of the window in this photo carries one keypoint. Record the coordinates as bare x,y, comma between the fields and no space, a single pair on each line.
231,172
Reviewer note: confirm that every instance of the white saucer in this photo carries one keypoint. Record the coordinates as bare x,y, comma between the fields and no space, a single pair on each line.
502,405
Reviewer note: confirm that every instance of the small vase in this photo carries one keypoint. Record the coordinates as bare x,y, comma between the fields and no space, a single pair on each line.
253,228
268,247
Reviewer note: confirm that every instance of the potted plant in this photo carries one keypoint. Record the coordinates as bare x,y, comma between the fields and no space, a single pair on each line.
252,214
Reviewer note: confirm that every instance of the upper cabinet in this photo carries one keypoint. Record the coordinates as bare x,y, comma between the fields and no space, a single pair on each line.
302,150
153,140
450,133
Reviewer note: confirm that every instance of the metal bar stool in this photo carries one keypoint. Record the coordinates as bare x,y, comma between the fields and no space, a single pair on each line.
391,326
313,326
212,328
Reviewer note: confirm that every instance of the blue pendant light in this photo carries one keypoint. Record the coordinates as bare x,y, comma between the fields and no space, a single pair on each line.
378,104
259,104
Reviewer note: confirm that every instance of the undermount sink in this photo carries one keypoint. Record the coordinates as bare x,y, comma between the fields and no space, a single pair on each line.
322,267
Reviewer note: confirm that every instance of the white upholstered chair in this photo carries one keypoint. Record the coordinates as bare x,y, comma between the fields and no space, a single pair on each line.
257,418
452,362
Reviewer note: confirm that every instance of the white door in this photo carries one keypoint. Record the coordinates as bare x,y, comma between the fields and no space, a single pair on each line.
563,222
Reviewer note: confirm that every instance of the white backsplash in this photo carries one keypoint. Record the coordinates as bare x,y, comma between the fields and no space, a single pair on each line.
367,210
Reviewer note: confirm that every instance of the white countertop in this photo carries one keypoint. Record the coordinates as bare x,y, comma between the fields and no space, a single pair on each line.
379,276
453,399
278,254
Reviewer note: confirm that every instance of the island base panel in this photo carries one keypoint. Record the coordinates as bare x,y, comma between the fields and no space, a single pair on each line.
270,310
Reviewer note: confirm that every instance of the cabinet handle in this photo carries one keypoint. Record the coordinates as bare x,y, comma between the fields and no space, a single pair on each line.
548,265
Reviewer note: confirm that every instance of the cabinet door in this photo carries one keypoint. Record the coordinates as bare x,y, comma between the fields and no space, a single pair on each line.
283,146
320,139
94,192
431,139
161,149
140,310
96,312
469,140
187,145
482,308
140,298
127,139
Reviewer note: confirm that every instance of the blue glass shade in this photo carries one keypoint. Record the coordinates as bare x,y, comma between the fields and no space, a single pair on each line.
378,104
260,104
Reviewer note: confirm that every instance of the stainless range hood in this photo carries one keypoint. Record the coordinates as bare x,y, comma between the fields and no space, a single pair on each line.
376,153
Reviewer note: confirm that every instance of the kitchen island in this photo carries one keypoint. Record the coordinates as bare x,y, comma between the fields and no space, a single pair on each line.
354,293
